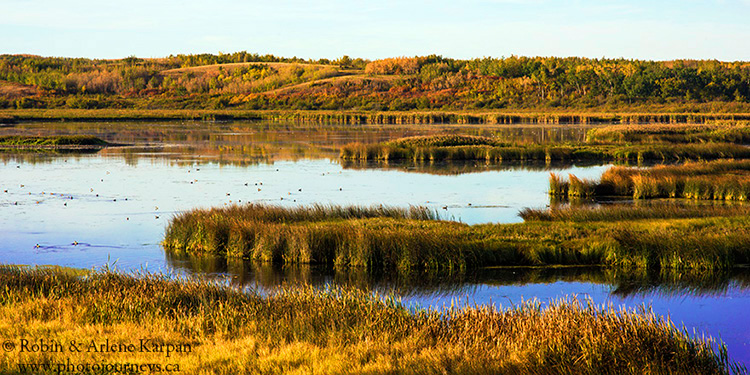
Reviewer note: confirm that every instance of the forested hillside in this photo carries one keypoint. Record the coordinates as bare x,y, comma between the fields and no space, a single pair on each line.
251,81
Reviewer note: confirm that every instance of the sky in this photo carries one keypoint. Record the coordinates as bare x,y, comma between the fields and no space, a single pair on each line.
653,30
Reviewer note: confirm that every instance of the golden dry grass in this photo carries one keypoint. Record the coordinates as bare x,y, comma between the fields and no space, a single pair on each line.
303,331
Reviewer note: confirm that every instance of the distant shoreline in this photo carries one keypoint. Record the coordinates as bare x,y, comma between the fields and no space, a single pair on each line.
11,116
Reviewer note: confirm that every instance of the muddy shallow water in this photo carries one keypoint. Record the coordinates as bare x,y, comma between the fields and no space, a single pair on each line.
87,210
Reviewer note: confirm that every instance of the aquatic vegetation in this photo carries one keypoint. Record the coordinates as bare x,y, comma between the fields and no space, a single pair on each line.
713,131
51,141
406,244
376,237
335,330
621,212
714,180
437,148
446,140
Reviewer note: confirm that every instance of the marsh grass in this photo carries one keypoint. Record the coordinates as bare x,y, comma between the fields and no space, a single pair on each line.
622,212
444,141
52,141
377,236
407,245
724,131
336,331
436,148
714,180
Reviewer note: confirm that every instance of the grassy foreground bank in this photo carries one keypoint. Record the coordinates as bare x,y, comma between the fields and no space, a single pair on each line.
408,240
297,331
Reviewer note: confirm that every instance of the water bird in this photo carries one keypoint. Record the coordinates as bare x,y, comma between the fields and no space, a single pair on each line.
156,216
227,194
341,189
65,204
258,189
37,246
445,207
75,243
156,208
299,189
245,183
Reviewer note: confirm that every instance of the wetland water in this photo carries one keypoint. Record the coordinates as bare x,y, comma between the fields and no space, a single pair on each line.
115,204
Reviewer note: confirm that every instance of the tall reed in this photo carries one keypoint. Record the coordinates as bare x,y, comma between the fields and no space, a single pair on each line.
715,180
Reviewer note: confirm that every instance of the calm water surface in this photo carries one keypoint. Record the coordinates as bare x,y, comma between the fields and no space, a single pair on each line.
116,203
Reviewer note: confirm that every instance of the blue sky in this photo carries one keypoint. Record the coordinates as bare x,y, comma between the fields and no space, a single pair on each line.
657,30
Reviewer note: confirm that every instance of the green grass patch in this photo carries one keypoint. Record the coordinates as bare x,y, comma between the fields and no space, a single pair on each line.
303,330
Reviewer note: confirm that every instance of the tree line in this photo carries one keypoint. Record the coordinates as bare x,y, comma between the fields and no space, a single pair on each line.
424,82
